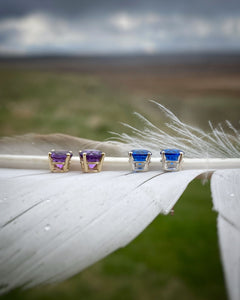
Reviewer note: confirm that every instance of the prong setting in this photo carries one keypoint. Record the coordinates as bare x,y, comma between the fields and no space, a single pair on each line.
91,160
59,160
171,159
139,159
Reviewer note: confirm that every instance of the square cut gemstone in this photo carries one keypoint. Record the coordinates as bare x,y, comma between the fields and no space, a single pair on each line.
59,156
140,154
172,154
92,155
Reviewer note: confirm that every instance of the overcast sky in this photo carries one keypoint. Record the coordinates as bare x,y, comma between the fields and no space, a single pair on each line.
118,26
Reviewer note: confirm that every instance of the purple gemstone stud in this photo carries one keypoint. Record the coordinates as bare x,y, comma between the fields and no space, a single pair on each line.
59,160
91,160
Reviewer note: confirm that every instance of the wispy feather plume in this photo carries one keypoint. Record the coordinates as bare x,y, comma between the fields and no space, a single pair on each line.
193,141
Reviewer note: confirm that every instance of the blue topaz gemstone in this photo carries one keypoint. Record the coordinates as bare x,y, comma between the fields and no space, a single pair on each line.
140,159
171,154
171,159
140,154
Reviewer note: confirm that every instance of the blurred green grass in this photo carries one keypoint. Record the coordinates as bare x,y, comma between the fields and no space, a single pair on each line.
91,105
175,257
48,102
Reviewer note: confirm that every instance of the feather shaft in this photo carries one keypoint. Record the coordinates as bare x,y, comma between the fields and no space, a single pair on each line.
116,163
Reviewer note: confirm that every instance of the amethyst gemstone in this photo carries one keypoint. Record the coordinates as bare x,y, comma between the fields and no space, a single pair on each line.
60,156
92,155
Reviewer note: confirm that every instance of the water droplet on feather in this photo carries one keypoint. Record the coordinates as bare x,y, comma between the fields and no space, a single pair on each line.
47,227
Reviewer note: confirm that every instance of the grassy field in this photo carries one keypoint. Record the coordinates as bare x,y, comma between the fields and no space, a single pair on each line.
175,257
48,102
91,101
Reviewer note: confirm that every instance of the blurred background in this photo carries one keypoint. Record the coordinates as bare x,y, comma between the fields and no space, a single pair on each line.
82,67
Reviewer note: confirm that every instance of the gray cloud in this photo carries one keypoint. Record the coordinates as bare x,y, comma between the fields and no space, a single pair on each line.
14,8
85,27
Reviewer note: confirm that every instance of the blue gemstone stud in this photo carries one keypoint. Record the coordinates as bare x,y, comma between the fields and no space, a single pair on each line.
139,159
171,159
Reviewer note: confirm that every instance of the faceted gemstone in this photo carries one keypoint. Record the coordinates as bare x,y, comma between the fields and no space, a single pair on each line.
172,154
59,166
59,156
92,155
140,154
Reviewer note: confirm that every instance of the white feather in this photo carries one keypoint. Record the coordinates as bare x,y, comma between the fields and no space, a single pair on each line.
38,144
54,225
226,198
